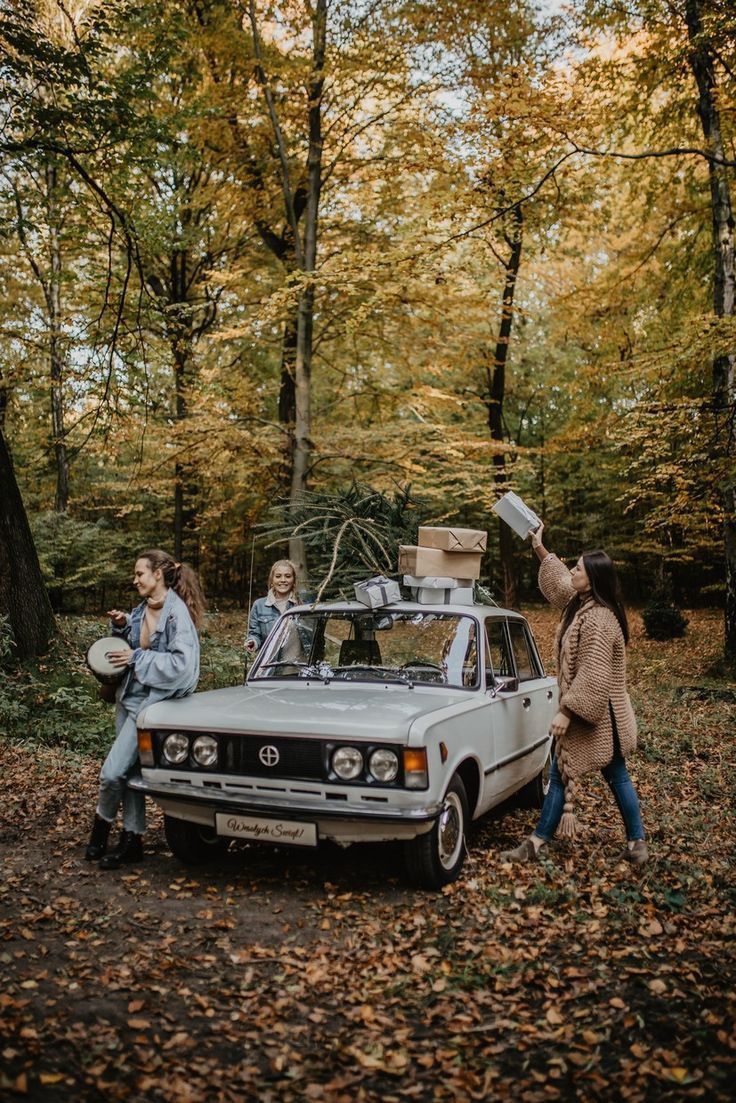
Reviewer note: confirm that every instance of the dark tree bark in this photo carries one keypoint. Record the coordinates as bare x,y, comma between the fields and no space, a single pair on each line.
702,63
495,397
23,596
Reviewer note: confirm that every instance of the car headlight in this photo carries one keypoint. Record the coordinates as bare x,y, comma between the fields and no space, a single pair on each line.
204,750
176,748
383,765
347,762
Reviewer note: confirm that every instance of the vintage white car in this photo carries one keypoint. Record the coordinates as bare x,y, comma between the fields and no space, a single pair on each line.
358,725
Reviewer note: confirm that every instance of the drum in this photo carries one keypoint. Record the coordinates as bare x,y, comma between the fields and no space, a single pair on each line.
100,665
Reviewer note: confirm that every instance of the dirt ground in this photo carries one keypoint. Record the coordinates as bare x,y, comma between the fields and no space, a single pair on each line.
287,975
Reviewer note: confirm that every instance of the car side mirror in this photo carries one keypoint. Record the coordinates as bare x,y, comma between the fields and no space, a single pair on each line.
507,685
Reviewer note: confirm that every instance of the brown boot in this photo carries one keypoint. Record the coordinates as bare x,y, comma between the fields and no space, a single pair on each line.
525,852
637,854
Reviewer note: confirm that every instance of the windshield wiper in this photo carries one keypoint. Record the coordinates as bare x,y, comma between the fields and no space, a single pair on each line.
380,671
283,662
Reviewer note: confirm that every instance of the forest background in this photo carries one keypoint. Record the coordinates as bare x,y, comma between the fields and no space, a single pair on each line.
252,254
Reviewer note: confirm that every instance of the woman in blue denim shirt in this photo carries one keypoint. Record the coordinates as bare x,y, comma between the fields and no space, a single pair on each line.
164,663
282,594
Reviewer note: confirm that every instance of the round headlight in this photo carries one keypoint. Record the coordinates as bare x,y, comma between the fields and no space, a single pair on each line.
176,748
347,762
204,750
384,765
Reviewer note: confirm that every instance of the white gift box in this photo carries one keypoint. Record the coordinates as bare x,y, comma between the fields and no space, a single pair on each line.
463,595
436,582
438,595
431,595
516,513
377,591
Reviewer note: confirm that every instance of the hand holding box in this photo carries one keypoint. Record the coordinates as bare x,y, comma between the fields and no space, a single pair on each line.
516,513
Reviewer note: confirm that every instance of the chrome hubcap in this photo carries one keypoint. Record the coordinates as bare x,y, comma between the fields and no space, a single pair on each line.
450,831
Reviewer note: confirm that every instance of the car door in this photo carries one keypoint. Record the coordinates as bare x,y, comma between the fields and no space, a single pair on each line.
520,716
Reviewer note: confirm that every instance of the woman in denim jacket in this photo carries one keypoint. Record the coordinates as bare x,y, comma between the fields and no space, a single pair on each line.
164,663
282,594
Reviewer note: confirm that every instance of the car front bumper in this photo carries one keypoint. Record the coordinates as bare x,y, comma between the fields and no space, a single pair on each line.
342,820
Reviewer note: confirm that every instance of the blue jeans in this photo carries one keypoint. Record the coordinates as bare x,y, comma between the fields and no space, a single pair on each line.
620,785
122,763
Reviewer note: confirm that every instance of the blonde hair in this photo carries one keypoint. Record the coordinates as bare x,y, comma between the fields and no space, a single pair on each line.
283,563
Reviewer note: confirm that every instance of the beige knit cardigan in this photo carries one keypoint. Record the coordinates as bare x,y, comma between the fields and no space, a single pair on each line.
591,672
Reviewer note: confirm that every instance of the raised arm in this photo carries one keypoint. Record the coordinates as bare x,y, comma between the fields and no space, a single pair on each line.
554,578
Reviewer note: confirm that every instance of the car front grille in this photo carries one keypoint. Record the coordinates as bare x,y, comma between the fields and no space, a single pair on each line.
254,756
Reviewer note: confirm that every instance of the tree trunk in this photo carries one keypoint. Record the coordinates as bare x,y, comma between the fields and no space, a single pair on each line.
494,402
287,400
305,326
23,597
724,292
56,355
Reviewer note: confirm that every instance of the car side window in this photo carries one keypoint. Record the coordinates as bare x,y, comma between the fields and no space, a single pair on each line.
525,657
498,643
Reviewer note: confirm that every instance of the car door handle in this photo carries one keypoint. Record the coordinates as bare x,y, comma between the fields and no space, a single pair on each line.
527,702
550,695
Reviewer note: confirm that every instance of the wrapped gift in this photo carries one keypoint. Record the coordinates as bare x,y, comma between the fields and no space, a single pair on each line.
452,540
377,591
433,581
463,595
418,561
516,513
431,595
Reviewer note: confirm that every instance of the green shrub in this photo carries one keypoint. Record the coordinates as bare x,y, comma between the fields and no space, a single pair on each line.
662,619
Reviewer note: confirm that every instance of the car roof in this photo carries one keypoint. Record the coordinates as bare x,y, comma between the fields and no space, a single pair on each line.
406,606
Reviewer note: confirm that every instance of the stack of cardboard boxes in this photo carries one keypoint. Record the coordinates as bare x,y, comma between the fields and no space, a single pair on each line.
444,565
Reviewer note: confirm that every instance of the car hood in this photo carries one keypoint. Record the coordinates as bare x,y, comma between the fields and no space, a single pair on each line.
384,712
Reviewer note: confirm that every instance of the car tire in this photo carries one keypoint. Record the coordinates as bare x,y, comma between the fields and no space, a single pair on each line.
192,843
436,858
534,792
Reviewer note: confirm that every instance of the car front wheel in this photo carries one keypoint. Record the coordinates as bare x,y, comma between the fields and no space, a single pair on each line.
436,858
192,843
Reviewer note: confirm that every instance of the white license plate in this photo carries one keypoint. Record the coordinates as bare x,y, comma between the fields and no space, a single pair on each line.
257,830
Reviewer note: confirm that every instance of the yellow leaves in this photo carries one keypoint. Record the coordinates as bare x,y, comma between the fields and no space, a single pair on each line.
553,1016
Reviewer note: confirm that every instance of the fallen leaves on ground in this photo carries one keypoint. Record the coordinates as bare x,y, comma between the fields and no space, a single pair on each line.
279,976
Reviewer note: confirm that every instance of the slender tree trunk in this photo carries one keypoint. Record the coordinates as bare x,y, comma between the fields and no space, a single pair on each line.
287,399
724,291
56,354
305,247
23,596
185,489
496,392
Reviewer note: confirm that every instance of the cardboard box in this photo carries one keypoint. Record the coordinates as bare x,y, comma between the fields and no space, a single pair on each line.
433,581
432,561
453,540
516,513
378,591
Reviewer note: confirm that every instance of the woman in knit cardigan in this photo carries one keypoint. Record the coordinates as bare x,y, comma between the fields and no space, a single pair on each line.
594,727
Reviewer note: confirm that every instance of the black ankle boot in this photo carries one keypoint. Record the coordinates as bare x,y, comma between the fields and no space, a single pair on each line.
129,849
98,839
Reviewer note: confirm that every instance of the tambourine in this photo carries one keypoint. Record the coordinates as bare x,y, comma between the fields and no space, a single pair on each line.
99,663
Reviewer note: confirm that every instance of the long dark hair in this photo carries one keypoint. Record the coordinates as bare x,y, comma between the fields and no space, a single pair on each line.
605,589
179,577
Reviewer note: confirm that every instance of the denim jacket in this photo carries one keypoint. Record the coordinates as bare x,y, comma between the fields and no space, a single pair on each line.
169,667
263,616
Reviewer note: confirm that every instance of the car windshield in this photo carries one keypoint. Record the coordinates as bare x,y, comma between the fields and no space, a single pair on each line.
373,645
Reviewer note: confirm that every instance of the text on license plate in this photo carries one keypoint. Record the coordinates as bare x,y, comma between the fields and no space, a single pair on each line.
255,829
